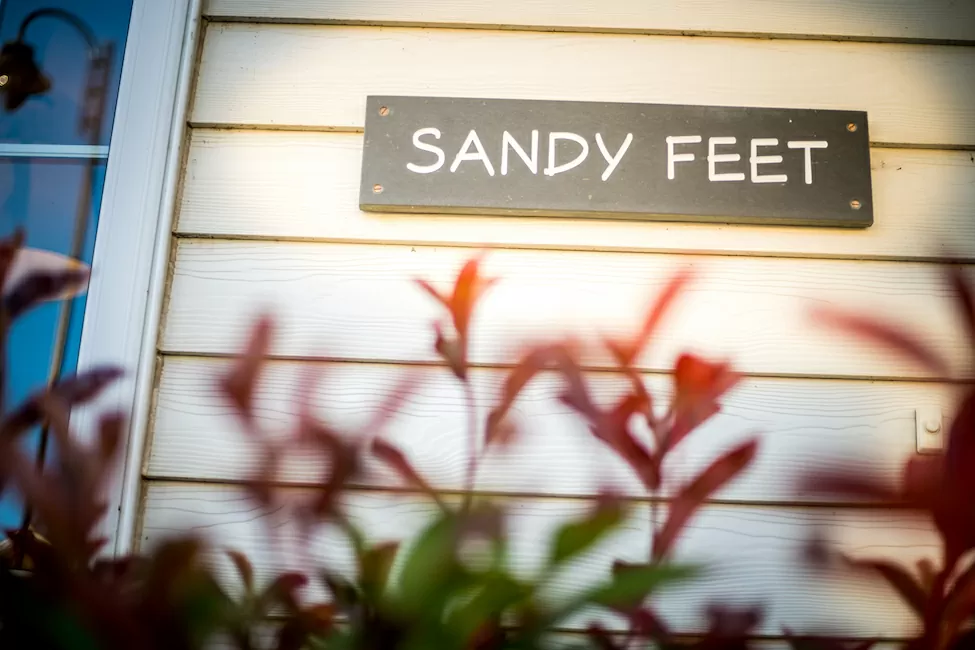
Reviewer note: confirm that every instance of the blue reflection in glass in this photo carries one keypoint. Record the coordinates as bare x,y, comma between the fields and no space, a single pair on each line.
45,196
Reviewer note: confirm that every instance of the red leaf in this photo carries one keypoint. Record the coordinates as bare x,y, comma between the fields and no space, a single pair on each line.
698,385
891,336
467,289
240,384
903,582
398,462
530,365
626,352
429,288
695,493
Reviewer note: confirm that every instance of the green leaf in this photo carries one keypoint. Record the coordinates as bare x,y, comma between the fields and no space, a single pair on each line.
577,537
629,586
496,593
374,567
430,563
632,584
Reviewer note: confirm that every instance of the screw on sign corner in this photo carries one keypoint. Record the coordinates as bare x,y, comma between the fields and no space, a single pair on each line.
384,110
851,127
856,205
377,189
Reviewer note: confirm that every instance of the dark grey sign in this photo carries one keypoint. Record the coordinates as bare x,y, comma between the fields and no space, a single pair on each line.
633,161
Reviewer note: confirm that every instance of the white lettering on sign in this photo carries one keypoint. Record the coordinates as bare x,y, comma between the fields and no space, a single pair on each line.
553,138
613,161
531,161
679,157
423,146
715,158
757,160
473,150
808,146
464,154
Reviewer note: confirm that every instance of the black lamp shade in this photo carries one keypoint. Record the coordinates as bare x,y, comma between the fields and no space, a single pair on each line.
23,77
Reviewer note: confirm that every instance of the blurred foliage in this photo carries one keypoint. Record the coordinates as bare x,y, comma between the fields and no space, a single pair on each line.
451,586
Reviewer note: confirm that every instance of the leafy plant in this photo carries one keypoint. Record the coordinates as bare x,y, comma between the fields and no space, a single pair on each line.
452,586
941,487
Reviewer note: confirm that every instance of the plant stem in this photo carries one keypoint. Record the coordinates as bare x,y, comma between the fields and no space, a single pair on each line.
653,522
472,456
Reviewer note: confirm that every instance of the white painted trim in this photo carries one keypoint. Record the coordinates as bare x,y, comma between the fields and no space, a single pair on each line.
121,316
15,150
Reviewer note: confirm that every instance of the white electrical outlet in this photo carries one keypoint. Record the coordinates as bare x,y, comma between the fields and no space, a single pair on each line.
929,430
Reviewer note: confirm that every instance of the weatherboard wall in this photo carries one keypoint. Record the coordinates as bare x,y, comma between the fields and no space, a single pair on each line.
268,218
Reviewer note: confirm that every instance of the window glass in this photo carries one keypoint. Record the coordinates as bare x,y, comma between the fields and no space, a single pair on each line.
52,169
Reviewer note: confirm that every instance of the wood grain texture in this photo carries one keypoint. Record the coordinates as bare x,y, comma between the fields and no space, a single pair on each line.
855,19
801,424
319,76
752,553
360,302
275,184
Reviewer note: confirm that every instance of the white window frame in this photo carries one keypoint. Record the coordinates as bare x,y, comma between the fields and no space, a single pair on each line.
131,256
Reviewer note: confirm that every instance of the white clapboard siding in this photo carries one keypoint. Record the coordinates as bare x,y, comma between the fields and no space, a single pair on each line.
360,302
801,424
319,76
306,185
950,20
754,554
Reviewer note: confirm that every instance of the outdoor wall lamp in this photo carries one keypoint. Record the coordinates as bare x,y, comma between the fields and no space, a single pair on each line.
21,77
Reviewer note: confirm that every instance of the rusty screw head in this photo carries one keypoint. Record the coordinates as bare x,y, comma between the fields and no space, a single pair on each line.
851,127
377,189
384,110
855,204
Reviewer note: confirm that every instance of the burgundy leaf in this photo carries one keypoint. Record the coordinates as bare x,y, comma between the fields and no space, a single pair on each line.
282,591
453,351
601,638
72,391
9,247
41,286
244,568
240,384
695,493
646,623
344,464
951,497
966,298
397,461
613,429
627,352
851,481
902,341
903,582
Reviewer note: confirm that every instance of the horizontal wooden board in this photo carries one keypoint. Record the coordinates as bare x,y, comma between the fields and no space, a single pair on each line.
302,76
360,302
802,424
753,554
867,19
305,185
